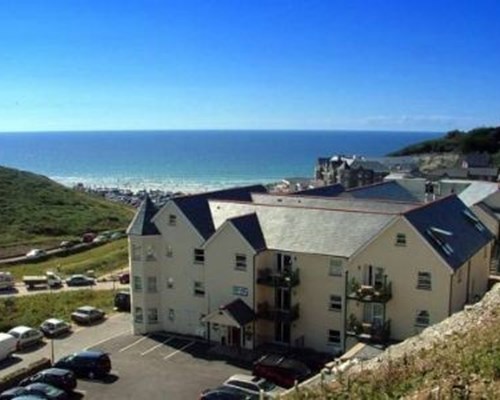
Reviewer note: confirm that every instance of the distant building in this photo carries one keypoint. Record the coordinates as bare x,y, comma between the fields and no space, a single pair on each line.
349,171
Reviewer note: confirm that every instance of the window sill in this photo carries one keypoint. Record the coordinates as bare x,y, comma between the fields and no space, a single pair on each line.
335,309
424,288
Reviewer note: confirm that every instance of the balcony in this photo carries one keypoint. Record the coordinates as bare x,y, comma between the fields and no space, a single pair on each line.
378,293
370,332
267,312
274,278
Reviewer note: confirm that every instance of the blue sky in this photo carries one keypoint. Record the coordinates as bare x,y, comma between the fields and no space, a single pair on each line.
249,64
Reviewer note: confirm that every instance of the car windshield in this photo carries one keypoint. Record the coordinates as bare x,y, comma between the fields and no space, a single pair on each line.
15,334
266,386
84,311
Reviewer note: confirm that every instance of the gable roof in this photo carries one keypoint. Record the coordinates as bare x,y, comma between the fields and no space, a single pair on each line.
239,311
142,225
389,190
249,227
195,207
451,228
329,191
307,230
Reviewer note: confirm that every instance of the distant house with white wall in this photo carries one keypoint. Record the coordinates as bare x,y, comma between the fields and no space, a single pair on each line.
243,268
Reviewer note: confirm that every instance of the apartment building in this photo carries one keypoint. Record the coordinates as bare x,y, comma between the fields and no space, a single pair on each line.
241,267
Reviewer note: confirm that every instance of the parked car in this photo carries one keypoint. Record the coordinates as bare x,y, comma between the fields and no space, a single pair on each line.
47,391
67,244
14,393
35,253
80,280
26,336
253,385
281,370
227,393
87,315
54,327
63,379
6,281
88,237
122,301
124,278
8,345
90,363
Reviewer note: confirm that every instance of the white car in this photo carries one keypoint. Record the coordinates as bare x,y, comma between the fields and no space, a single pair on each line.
35,253
55,327
253,385
26,336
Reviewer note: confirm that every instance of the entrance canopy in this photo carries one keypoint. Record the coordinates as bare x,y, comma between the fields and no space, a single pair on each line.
236,314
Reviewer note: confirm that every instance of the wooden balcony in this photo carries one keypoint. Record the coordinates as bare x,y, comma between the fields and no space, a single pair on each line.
274,278
270,313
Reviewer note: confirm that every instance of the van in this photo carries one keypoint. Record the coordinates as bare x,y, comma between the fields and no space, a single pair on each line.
122,301
8,344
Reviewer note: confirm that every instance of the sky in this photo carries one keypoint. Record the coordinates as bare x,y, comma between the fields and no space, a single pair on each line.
249,64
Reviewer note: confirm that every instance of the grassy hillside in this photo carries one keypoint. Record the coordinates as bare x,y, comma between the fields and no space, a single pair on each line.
37,212
475,140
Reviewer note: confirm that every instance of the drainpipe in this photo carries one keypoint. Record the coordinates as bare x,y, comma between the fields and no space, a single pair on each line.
345,311
254,305
467,292
451,293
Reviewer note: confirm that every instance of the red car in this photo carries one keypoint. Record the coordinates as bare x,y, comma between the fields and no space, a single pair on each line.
124,278
281,370
88,237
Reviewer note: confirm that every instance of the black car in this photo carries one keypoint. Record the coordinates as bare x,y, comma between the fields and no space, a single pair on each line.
60,378
80,280
89,363
13,393
122,301
47,391
227,393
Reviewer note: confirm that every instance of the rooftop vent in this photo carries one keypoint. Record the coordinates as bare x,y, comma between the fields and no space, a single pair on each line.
473,220
436,235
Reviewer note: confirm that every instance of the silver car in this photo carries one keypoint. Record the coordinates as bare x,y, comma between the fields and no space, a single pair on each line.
54,327
26,336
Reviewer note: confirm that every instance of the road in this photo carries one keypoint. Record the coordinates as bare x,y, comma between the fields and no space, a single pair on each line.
51,252
81,338
21,290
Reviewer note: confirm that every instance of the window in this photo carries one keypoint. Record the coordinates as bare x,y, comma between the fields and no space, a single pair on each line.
138,315
335,303
400,239
170,283
169,252
333,337
199,256
137,283
241,262
172,219
424,281
422,319
152,315
240,291
150,254
136,252
335,267
152,284
199,289
171,314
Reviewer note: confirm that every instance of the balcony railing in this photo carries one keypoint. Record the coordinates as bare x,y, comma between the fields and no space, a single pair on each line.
270,277
378,293
270,313
372,332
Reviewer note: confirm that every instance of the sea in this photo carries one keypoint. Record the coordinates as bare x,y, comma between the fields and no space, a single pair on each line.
188,161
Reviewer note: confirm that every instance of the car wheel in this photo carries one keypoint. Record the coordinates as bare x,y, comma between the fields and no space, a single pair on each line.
91,375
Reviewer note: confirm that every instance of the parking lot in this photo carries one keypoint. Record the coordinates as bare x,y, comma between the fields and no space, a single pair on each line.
158,367
149,367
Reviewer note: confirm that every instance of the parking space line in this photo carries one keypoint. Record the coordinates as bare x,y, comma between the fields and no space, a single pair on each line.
158,345
133,344
178,351
105,340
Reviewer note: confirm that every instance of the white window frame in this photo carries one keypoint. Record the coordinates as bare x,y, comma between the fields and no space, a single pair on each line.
424,280
422,319
334,337
240,261
153,316
152,284
241,291
138,315
199,289
335,267
137,283
401,239
199,256
172,219
335,303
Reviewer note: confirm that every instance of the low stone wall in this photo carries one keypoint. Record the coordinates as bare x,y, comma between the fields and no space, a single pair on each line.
14,378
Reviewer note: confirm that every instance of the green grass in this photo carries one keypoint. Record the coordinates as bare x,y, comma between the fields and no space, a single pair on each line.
35,209
465,363
34,309
103,259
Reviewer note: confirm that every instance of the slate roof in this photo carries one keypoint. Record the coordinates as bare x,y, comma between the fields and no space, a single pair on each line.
308,230
142,225
477,191
239,311
477,160
375,166
491,172
389,190
446,226
249,227
196,209
329,190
